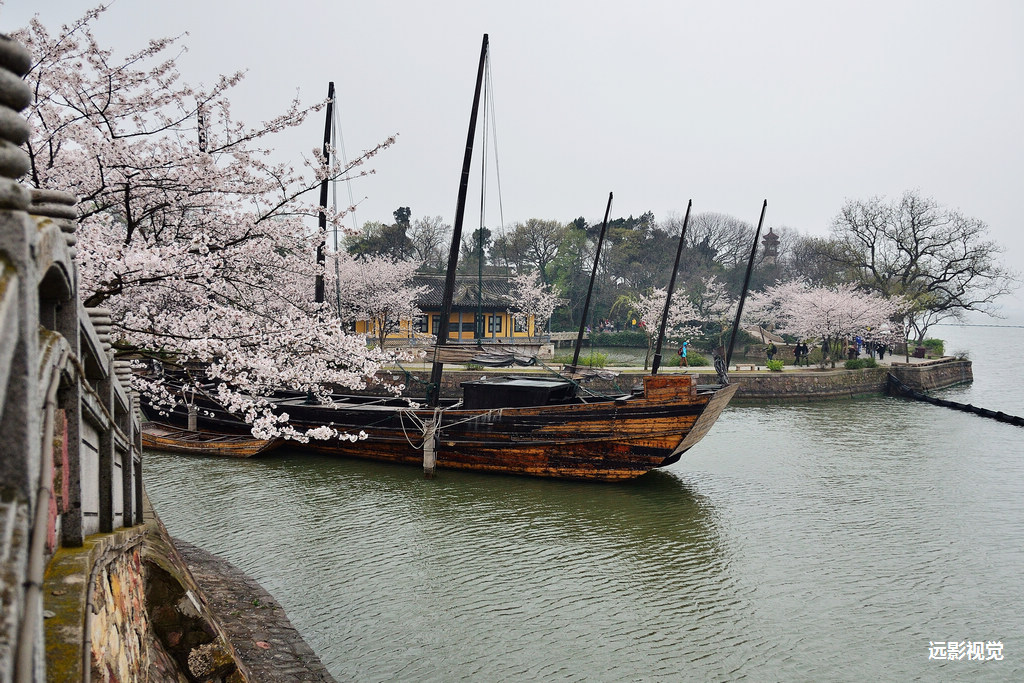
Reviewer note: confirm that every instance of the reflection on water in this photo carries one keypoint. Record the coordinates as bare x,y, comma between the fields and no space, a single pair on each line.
828,541
467,572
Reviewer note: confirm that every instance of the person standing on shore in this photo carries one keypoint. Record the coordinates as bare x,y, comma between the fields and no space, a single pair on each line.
682,355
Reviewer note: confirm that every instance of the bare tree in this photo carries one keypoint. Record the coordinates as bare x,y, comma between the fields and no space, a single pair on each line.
508,249
812,258
724,239
937,258
534,244
430,236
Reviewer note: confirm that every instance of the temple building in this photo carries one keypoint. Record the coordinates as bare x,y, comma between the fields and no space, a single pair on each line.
496,325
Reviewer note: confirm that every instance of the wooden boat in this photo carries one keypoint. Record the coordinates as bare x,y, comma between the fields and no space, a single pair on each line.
533,426
159,436
527,425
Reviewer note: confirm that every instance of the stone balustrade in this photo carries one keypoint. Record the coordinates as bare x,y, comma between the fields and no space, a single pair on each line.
70,444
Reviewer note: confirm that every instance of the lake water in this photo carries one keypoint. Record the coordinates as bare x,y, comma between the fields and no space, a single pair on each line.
827,541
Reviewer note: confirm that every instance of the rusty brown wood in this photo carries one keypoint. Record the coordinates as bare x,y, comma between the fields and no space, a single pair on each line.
604,440
167,438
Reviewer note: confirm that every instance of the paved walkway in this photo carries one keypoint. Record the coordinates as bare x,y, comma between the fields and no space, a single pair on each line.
264,639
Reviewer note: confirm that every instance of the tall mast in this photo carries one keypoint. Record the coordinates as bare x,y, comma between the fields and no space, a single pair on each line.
479,329
590,289
434,388
656,363
746,285
321,244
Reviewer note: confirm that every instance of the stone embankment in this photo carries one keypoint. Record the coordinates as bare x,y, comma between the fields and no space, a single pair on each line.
132,606
124,607
813,384
792,384
263,637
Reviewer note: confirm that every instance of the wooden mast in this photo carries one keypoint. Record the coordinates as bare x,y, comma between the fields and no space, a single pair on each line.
593,274
746,285
434,387
656,362
320,258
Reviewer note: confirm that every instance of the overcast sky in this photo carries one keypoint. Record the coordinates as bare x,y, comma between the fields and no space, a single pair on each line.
805,104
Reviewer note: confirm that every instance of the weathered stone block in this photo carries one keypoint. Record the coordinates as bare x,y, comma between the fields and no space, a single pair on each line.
210,661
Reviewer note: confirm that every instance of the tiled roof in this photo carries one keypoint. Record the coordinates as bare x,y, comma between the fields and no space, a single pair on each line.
496,292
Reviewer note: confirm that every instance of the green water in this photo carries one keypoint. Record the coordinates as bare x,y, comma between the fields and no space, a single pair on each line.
830,541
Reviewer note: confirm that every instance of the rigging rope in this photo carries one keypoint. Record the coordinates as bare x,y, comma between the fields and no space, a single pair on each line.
494,132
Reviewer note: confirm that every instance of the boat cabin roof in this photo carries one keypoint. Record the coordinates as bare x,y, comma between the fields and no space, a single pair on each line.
515,392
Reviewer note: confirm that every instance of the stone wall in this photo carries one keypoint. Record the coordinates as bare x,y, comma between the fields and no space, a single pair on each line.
807,384
790,385
124,607
937,374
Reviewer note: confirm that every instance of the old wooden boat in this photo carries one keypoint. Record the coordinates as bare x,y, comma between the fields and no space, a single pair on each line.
159,436
545,426
535,426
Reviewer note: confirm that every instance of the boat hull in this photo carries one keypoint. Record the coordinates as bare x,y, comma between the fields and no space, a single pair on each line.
170,439
606,441
603,440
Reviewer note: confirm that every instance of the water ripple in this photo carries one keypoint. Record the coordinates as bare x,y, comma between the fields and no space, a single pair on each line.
819,542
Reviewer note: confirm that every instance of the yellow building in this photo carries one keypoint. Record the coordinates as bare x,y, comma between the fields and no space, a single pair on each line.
495,301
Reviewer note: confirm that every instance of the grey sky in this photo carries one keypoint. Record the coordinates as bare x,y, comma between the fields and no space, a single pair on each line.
805,104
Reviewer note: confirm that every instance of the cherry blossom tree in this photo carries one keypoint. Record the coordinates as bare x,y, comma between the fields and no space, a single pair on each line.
831,314
648,310
194,239
531,298
376,289
765,308
712,304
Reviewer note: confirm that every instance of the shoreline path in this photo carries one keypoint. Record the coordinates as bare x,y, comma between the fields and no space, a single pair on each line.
260,631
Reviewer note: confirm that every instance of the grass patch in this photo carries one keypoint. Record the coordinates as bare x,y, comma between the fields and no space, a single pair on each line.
595,359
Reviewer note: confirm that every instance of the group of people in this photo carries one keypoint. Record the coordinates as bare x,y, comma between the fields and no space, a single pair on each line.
800,351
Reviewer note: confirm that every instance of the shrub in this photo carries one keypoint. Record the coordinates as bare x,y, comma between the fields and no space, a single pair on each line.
623,338
935,347
696,360
861,363
774,365
595,359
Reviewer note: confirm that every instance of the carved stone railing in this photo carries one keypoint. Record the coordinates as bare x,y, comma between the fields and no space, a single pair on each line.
70,445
